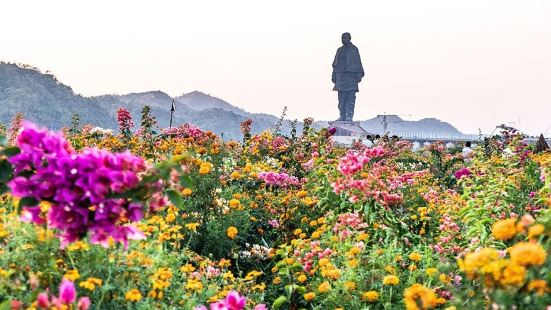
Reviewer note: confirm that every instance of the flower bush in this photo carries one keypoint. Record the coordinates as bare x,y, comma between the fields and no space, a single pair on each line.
271,222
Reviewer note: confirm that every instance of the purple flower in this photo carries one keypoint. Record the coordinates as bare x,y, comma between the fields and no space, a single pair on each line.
462,172
79,186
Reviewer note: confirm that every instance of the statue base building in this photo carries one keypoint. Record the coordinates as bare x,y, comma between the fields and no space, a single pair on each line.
349,129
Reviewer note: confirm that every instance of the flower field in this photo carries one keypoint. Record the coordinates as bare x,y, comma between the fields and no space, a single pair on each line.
180,219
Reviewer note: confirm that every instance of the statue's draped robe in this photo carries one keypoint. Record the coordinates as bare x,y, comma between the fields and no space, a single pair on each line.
347,68
347,72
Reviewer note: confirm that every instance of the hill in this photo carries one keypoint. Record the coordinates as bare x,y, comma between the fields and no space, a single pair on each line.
46,101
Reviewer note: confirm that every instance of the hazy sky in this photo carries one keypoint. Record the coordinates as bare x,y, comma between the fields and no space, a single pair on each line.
473,63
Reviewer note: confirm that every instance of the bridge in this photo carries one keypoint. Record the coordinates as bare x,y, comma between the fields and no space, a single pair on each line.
420,139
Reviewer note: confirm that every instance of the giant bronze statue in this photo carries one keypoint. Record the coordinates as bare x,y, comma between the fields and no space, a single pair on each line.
347,73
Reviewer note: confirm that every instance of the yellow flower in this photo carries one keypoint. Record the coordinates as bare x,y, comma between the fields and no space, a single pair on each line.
234,175
535,230
72,275
171,217
431,271
504,229
391,280
277,280
301,194
324,287
415,256
324,261
540,286
444,278
192,226
187,268
194,285
371,296
234,203
474,261
187,191
90,283
350,285
302,278
527,253
417,297
362,236
133,295
231,232
205,168
513,274
309,296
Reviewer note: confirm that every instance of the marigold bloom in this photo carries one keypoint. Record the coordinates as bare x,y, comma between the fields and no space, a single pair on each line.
231,232
72,275
418,297
309,296
192,226
301,194
539,286
324,287
370,296
414,256
133,295
527,253
504,229
535,231
350,285
391,280
187,191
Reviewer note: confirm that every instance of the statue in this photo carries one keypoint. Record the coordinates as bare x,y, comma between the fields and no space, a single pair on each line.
347,73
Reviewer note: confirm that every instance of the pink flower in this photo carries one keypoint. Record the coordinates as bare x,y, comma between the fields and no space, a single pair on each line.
83,303
67,293
42,301
260,307
234,301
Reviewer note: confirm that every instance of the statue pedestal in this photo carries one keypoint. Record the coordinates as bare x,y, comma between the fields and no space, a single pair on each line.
348,129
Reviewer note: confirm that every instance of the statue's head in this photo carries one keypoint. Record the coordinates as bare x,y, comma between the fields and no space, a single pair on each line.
346,37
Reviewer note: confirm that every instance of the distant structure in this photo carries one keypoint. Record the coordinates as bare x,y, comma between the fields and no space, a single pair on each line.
347,73
541,145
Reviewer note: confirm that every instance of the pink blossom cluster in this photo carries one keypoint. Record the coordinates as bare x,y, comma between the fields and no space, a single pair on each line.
449,232
315,252
233,301
347,223
354,161
184,131
79,187
67,296
381,180
125,120
463,172
278,179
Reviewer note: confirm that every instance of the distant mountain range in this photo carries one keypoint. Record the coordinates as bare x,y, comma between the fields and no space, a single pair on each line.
46,101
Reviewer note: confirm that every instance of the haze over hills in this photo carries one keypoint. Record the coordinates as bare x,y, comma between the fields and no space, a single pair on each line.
46,101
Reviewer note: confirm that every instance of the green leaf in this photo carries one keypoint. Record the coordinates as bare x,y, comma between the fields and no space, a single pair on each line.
185,181
28,202
3,140
11,151
5,170
175,197
280,301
